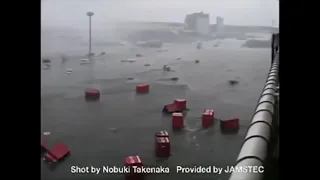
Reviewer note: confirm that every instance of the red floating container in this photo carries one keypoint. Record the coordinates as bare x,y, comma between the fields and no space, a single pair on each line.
57,152
142,88
162,147
170,108
92,94
162,134
207,118
131,161
181,104
177,120
229,124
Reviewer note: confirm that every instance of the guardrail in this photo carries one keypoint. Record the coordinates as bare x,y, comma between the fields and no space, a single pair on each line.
255,146
275,44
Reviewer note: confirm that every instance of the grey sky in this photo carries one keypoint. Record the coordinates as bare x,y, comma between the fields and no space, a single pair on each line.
236,12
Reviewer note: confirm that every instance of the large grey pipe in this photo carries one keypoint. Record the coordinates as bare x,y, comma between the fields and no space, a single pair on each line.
255,146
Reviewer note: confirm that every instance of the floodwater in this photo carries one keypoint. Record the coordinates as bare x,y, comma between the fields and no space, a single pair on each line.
123,123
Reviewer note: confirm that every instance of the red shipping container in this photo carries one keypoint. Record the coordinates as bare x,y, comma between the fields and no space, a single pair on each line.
142,88
131,161
162,134
162,147
177,120
207,118
57,152
92,94
229,124
181,104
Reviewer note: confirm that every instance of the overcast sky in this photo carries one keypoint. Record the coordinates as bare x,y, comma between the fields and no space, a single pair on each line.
236,12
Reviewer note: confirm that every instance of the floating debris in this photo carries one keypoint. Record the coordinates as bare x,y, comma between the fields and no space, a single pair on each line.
130,78
69,71
169,79
46,66
162,50
233,82
46,133
196,61
129,60
166,68
84,61
178,58
138,55
102,53
174,78
46,61
147,65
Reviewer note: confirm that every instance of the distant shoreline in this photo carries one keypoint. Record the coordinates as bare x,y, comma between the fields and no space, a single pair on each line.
179,24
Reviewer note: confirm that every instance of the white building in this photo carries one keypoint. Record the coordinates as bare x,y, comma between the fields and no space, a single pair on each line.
220,24
198,22
203,25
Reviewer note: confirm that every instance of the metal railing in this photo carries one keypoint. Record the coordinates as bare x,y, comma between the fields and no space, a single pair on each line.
255,146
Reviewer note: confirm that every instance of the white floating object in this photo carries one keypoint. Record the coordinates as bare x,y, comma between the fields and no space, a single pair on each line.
84,60
46,67
132,60
46,133
69,71
129,60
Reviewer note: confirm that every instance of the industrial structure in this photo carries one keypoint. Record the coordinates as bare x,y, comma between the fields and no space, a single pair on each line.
219,24
90,14
198,22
